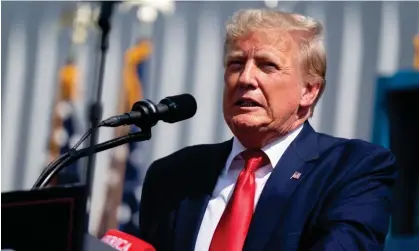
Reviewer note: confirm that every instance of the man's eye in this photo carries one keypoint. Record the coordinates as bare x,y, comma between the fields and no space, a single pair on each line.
268,66
234,63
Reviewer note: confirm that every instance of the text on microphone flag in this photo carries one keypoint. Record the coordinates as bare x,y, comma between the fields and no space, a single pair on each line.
125,242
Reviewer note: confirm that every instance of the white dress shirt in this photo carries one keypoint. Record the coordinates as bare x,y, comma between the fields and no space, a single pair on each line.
226,182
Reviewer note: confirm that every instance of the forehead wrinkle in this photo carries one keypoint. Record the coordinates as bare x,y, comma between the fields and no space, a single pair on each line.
279,40
271,54
266,52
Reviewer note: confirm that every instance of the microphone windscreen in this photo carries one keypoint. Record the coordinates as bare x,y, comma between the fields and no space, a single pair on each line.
122,241
181,107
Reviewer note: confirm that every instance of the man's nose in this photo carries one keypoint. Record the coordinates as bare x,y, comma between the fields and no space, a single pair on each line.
247,77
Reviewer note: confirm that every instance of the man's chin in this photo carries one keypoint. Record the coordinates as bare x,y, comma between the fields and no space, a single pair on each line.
242,122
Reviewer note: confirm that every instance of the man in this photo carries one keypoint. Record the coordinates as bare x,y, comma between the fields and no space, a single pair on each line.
277,185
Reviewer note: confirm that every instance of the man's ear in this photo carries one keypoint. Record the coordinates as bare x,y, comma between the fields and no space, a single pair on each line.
309,94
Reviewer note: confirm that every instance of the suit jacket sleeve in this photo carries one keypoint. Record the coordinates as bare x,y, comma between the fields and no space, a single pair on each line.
148,204
357,214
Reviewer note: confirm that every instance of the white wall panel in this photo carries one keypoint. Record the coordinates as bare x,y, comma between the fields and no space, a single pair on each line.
40,110
15,77
350,72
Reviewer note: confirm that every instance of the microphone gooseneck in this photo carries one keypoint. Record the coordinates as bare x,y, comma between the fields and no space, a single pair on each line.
69,158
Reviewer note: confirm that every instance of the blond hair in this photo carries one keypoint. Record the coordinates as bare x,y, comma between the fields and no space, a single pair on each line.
309,36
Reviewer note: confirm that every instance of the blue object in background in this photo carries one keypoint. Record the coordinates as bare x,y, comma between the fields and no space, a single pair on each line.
405,79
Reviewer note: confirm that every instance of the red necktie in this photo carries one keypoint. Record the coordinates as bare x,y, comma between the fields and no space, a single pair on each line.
231,231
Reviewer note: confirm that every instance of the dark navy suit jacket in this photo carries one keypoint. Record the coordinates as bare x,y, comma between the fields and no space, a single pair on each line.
342,200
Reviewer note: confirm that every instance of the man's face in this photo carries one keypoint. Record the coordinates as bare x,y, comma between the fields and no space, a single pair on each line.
263,82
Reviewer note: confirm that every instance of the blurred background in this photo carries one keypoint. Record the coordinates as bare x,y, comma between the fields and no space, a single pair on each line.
159,49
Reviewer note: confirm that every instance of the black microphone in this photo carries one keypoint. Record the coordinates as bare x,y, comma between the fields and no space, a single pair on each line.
146,114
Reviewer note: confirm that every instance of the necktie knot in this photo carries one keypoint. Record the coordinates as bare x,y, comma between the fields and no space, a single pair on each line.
254,159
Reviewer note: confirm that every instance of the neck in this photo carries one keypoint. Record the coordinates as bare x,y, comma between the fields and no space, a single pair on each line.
251,138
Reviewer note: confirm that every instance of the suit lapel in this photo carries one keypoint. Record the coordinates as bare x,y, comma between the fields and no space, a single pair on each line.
188,221
280,186
206,170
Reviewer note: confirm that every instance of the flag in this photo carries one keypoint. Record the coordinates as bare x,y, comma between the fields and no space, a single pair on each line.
64,129
296,175
416,50
124,187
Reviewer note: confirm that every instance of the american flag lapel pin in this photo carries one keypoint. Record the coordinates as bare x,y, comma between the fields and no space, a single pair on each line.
296,175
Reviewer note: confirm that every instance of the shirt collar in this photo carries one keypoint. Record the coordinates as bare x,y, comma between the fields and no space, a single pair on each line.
274,150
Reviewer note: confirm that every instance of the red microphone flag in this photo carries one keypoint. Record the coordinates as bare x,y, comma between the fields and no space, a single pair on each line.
125,242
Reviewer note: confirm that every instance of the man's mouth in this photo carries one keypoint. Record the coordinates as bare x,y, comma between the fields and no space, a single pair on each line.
247,103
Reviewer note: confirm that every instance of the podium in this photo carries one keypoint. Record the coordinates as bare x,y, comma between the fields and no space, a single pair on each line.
47,219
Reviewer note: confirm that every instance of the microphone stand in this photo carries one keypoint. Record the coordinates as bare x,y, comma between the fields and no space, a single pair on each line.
67,159
95,112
